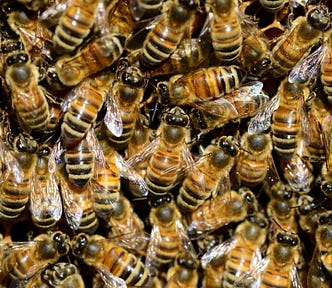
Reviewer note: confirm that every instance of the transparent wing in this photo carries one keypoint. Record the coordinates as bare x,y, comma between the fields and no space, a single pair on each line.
262,120
309,67
151,253
54,11
220,107
45,199
73,212
129,173
96,147
55,157
327,138
186,244
11,163
295,277
113,119
218,251
109,279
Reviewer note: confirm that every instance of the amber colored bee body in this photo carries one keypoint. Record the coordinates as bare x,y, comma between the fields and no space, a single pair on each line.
272,6
113,262
294,45
286,119
28,98
74,25
24,262
83,109
326,67
164,38
199,186
226,32
144,9
15,194
253,160
202,85
99,54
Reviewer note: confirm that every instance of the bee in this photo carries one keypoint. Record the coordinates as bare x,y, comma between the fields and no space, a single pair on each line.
26,259
184,272
15,191
99,54
167,155
272,6
168,236
243,102
28,98
237,254
128,93
320,269
279,267
226,32
326,67
289,123
82,107
201,85
281,207
60,275
294,45
78,206
255,158
126,227
229,206
145,9
34,5
45,200
74,25
167,32
116,266
214,167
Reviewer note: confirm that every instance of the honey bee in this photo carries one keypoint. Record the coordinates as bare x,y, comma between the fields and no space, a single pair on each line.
237,254
45,200
60,275
288,117
281,207
82,107
214,168
255,158
15,191
167,155
24,260
116,266
326,67
168,236
320,269
128,93
78,206
228,207
28,98
201,85
279,267
272,6
99,54
166,33
74,25
243,102
294,45
184,272
144,9
126,228
226,32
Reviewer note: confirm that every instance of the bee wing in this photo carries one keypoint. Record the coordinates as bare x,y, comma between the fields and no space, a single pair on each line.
46,201
144,154
272,174
218,251
55,157
96,147
109,279
186,243
112,119
55,10
220,107
11,164
309,67
151,253
128,172
73,212
262,120
295,277
224,185
101,19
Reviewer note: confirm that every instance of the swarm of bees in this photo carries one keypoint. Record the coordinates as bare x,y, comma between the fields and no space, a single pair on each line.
166,143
